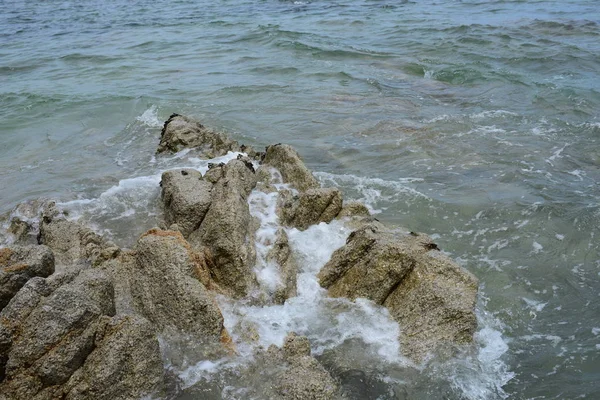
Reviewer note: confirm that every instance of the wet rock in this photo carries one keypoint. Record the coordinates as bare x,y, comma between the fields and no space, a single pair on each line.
18,264
24,226
125,363
228,228
431,297
281,254
49,329
186,198
354,209
180,132
292,169
308,208
166,288
71,242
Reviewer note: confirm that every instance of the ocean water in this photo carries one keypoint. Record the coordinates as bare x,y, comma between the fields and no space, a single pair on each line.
476,122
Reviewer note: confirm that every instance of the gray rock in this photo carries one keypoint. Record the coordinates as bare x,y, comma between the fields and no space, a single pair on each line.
125,363
281,254
167,291
186,198
292,169
431,297
180,132
228,229
54,333
71,242
353,209
18,264
309,207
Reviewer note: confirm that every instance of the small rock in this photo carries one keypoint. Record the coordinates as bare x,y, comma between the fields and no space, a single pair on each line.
292,169
281,253
309,207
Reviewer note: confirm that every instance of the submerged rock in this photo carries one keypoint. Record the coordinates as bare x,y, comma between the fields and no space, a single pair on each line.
180,132
18,264
431,297
292,169
228,229
309,207
71,242
186,198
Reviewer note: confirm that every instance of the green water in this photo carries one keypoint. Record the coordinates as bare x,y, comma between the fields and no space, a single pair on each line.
473,121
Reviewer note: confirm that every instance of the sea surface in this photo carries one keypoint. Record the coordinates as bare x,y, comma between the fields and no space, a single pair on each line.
474,121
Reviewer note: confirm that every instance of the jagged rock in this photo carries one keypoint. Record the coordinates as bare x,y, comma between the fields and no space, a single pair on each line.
292,169
281,254
309,207
47,332
227,229
125,364
18,264
24,226
180,132
354,209
431,297
186,198
300,375
166,288
71,242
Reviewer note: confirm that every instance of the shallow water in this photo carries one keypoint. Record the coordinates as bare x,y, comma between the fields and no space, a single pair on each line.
473,121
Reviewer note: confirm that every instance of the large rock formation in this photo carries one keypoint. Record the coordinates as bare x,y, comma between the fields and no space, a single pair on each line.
186,198
309,207
181,132
18,264
228,229
292,169
431,297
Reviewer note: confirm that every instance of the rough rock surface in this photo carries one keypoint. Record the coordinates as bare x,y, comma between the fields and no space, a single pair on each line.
47,332
431,297
71,242
309,207
292,169
281,254
186,198
297,374
166,288
353,209
18,264
228,229
181,132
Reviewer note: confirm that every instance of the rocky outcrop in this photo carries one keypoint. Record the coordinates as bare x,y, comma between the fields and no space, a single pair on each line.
71,242
186,198
166,288
18,264
47,332
180,132
292,169
294,374
353,209
309,207
228,229
431,297
281,254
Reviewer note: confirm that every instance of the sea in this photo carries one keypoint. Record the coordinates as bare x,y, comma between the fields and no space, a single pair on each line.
474,121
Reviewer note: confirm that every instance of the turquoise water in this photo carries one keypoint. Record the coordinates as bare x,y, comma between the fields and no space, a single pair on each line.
474,121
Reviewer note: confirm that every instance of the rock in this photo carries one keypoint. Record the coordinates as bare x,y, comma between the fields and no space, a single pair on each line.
186,198
53,333
180,132
166,289
281,254
24,226
292,169
71,242
308,208
18,264
431,297
228,229
125,364
302,376
354,209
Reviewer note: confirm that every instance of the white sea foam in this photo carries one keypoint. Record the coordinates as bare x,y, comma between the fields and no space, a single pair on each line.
150,117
